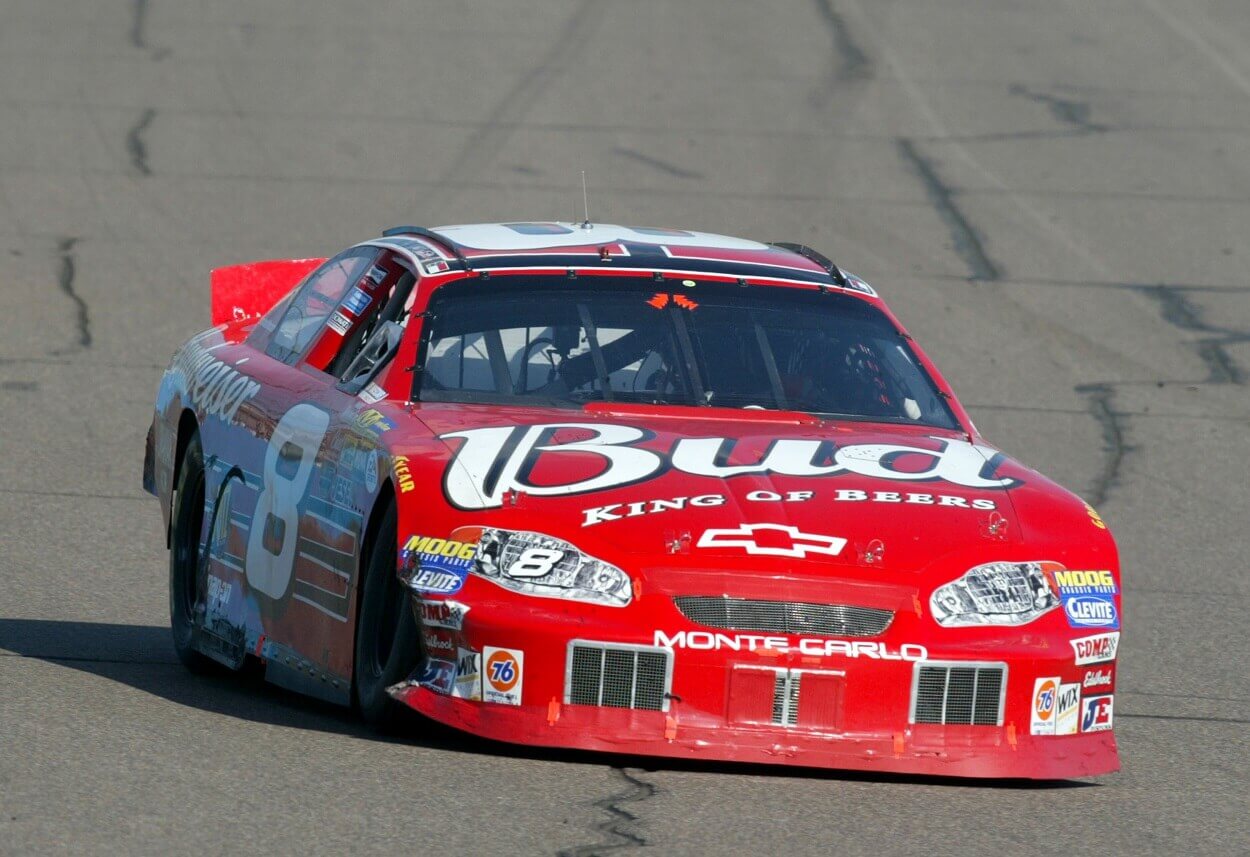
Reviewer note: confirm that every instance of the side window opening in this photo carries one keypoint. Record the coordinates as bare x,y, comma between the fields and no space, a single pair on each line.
316,303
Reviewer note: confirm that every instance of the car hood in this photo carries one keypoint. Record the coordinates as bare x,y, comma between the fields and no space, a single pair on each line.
718,488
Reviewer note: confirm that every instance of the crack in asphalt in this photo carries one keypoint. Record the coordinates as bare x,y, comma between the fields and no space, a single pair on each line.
1114,445
1067,111
136,146
656,163
138,25
853,63
1181,312
139,31
65,281
620,826
968,244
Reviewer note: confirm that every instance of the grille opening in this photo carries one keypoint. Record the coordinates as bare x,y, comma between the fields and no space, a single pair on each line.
784,617
615,675
958,694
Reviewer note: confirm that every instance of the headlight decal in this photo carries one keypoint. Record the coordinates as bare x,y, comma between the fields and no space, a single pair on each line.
997,593
537,564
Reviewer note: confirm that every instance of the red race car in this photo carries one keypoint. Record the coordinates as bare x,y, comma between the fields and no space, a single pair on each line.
618,488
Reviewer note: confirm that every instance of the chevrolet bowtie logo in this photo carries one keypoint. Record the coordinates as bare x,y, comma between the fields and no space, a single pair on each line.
777,540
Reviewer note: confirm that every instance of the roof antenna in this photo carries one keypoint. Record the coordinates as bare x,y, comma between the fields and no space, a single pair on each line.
585,203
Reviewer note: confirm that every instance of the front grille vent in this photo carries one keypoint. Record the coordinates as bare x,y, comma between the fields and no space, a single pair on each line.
784,617
616,675
958,694
786,697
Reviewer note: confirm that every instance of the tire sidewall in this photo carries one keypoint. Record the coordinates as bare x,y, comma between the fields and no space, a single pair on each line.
183,557
376,706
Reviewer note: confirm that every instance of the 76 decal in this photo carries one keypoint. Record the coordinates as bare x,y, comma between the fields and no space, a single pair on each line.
503,675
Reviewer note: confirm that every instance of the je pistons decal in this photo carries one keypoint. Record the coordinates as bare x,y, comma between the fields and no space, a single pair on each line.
493,462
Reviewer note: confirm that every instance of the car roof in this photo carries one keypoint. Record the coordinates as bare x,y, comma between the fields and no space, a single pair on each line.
536,245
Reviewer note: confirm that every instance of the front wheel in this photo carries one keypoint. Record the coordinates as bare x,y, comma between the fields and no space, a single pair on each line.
184,556
386,633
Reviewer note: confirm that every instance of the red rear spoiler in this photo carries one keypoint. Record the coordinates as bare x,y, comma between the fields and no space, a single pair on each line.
249,291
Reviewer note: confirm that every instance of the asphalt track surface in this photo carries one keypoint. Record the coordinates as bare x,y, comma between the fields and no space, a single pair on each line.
1055,198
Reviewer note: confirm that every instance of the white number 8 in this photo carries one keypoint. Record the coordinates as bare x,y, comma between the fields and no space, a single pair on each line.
289,461
535,562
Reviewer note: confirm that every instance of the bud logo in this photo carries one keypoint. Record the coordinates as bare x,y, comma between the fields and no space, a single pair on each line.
1097,713
1098,678
774,540
708,642
495,461
1085,583
1091,611
1042,721
1097,649
503,675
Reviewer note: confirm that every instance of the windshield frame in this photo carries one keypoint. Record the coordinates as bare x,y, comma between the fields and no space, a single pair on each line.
951,415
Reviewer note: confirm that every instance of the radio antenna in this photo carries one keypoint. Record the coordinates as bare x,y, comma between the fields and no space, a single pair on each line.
585,203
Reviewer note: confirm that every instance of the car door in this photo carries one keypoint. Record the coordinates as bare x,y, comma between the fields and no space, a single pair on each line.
296,554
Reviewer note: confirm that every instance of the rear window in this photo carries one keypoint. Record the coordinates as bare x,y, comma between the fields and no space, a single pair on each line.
559,341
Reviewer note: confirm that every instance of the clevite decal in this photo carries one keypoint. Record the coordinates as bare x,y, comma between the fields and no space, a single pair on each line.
492,462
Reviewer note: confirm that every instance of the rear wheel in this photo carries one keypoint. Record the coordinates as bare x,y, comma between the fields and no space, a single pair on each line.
184,555
386,633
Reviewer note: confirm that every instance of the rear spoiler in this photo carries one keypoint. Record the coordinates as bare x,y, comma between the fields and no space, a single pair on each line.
249,291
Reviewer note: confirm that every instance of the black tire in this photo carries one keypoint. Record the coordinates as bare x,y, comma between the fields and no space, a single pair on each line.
387,648
184,556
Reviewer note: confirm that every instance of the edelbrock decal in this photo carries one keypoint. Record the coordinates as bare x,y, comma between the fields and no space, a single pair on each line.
492,462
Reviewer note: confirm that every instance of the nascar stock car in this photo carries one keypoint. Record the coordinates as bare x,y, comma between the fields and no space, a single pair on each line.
617,488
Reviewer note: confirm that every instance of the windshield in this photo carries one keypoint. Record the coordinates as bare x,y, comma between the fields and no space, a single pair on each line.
554,341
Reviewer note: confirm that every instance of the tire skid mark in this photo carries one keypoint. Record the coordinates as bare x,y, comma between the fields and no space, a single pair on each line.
1101,397
135,144
968,244
1184,719
620,829
65,282
481,149
1067,111
656,163
89,660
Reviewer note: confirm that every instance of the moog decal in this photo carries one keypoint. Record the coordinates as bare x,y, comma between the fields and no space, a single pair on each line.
493,462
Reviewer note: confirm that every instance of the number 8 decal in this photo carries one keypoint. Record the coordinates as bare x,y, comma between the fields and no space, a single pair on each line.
289,461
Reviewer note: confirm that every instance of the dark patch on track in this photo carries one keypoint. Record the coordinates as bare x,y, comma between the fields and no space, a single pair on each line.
1115,447
620,828
135,144
966,239
655,163
1065,110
